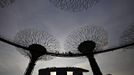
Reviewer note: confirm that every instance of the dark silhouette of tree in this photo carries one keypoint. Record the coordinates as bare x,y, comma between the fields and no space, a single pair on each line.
73,5
87,39
35,41
68,53
93,33
5,3
127,37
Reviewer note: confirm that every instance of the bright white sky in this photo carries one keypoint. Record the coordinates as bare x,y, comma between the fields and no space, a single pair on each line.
113,15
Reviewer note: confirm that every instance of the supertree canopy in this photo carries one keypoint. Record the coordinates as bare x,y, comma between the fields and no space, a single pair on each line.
38,43
73,5
87,39
127,36
5,3
28,37
86,33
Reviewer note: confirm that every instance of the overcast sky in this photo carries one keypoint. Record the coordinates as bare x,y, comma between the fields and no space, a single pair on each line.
113,15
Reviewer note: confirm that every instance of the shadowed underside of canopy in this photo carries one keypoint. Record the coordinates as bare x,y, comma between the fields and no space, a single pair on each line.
86,33
28,37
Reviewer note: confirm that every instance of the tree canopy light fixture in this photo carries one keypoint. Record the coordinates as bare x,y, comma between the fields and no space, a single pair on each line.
73,5
35,41
87,39
86,33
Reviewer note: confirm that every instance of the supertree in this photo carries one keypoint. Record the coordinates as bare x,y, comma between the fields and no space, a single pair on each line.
87,40
38,44
127,37
5,3
73,5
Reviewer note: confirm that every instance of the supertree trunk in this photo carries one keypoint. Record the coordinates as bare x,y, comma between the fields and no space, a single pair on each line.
94,66
30,67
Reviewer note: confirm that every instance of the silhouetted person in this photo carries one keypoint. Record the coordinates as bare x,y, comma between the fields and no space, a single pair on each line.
62,71
88,47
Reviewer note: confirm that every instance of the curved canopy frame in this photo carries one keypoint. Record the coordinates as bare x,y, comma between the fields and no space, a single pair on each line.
69,54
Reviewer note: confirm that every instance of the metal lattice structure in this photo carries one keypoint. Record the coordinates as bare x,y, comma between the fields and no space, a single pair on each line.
35,41
73,5
92,33
28,37
91,38
5,3
87,39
